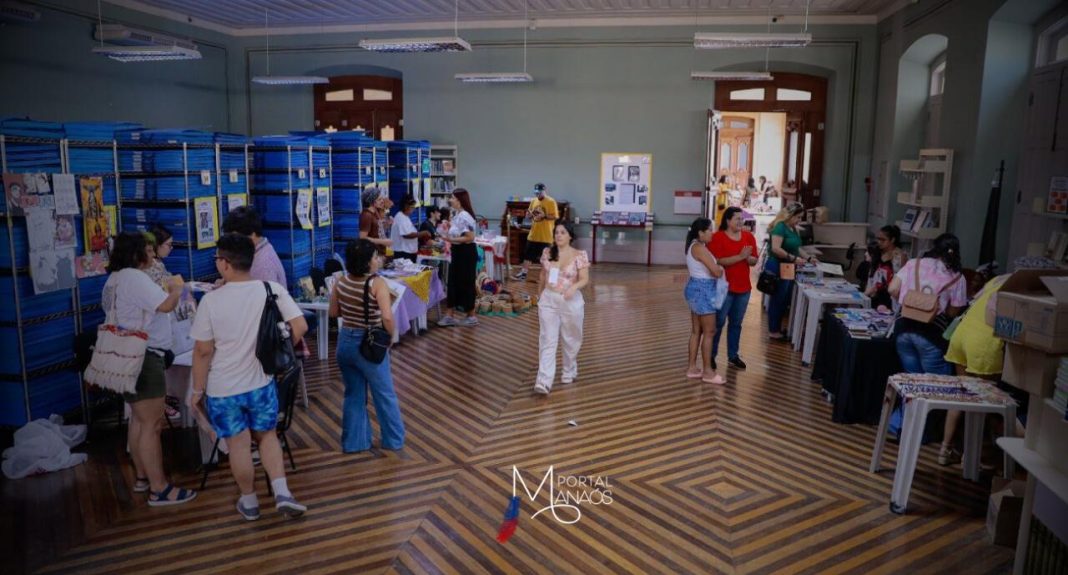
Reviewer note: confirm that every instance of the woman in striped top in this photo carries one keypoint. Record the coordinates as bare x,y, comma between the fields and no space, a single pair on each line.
347,302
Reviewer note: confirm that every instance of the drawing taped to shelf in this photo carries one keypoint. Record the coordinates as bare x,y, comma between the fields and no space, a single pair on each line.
207,222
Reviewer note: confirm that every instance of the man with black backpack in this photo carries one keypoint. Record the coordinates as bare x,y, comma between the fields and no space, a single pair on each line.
229,361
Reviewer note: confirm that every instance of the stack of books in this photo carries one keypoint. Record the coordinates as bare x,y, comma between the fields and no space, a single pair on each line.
1060,392
864,323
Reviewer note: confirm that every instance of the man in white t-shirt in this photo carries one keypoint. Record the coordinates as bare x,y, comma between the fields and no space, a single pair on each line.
242,402
404,235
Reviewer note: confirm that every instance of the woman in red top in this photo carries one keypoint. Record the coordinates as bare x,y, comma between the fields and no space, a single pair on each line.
736,250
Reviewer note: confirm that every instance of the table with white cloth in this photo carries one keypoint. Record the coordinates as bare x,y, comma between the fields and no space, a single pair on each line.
180,384
494,251
809,297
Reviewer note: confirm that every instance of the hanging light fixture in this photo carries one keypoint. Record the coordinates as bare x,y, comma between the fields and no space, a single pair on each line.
130,45
753,76
439,44
270,80
764,76
503,77
724,40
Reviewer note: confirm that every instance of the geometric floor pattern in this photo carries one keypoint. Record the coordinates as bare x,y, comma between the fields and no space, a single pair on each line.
750,477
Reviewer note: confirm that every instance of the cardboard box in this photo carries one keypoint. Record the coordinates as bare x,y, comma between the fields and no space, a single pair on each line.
841,234
1003,511
1032,310
1031,370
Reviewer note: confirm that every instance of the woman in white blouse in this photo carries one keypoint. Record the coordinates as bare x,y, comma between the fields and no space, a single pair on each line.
461,236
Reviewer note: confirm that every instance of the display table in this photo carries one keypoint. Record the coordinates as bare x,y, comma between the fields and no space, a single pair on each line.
922,393
180,384
647,226
853,371
808,302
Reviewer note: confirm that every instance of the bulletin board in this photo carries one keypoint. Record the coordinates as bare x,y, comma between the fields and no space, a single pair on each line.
627,182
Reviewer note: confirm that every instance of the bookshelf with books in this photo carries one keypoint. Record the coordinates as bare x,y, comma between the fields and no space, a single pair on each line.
927,203
442,172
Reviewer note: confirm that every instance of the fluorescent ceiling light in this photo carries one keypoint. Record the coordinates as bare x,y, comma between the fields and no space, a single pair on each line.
124,36
495,77
147,53
731,76
289,80
717,40
444,44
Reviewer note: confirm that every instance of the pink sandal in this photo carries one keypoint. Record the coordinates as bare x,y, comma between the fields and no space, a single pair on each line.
718,380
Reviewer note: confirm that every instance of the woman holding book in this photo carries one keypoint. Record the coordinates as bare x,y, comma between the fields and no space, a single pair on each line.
564,272
785,251
736,250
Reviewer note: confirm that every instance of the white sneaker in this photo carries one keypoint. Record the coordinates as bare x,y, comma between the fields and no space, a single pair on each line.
447,321
541,389
468,321
520,276
566,379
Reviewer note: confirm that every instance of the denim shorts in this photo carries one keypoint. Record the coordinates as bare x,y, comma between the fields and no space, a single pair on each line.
256,410
701,295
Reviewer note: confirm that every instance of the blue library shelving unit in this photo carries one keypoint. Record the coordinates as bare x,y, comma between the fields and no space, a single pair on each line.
409,174
37,376
161,177
353,165
281,167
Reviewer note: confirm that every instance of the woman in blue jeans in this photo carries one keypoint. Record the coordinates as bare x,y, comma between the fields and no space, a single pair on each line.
785,249
735,249
920,346
357,288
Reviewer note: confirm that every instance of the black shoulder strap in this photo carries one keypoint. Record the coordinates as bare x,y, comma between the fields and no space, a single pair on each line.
270,293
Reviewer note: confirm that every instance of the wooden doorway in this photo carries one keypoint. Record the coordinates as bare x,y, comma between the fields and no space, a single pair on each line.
736,150
804,100
372,103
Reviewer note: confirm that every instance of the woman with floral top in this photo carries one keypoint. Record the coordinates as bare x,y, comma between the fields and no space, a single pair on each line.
564,272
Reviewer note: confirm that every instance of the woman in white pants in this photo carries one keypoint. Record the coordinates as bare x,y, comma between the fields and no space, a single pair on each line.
564,272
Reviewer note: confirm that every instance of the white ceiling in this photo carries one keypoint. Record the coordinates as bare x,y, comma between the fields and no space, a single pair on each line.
246,17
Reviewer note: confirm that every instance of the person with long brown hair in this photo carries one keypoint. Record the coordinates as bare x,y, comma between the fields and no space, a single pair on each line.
561,308
462,269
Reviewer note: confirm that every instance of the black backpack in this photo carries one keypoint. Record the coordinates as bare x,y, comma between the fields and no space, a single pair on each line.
274,346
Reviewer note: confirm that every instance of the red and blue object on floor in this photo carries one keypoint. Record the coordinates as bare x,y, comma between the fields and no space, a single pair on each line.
511,521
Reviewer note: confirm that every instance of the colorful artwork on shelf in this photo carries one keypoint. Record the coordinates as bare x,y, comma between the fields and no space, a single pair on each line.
95,221
1057,200
322,205
207,221
304,198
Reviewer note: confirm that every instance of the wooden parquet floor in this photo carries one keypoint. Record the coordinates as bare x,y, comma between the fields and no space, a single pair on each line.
751,477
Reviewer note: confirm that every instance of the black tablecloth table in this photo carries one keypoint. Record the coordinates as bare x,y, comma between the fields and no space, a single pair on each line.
853,371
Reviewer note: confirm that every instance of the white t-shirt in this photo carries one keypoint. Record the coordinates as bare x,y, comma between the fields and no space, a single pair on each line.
230,315
402,226
136,298
461,223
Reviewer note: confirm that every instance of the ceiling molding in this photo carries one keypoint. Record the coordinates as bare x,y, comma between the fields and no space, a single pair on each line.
642,20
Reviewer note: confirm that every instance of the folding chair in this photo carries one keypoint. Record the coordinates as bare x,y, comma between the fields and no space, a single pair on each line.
286,386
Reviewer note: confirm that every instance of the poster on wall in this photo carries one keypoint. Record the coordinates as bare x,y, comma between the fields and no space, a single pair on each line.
234,201
322,205
66,194
95,221
304,198
1057,200
207,221
626,182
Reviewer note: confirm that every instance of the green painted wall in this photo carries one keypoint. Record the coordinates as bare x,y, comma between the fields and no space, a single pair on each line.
596,90
51,74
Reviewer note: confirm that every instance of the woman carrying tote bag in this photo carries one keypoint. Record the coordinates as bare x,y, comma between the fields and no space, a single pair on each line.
135,303
363,304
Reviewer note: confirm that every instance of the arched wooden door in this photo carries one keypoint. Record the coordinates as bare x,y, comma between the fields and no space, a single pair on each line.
736,150
374,104
804,100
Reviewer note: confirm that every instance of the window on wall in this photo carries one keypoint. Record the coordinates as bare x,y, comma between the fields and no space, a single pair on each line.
1053,44
938,75
756,94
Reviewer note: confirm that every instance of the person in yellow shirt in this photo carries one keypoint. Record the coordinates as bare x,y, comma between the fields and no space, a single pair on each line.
543,211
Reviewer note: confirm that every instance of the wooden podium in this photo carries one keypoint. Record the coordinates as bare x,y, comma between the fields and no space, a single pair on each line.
517,231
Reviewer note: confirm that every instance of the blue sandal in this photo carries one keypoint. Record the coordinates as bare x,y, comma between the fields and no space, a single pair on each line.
160,498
